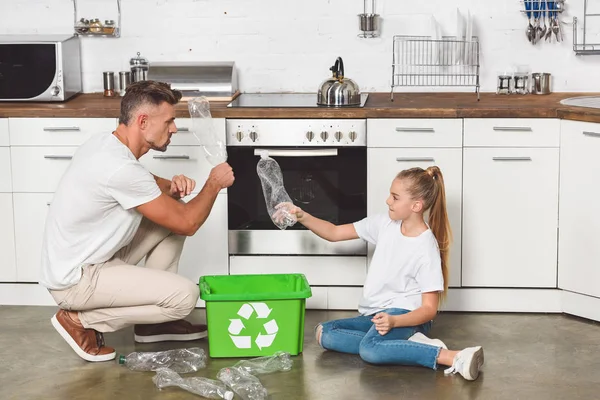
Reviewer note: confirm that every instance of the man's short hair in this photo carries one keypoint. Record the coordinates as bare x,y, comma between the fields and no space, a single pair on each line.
146,92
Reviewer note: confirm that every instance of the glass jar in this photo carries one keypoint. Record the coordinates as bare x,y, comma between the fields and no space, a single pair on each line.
109,27
505,83
95,26
82,26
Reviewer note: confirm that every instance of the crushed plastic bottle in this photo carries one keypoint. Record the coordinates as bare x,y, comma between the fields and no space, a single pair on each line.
247,386
203,129
280,361
209,388
276,198
179,360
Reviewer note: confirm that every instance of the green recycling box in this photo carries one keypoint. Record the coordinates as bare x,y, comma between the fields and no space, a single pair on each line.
254,315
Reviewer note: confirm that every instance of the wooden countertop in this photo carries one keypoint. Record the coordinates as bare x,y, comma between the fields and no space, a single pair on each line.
405,105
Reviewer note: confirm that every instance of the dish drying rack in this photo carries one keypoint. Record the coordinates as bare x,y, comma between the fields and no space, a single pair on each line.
584,48
423,61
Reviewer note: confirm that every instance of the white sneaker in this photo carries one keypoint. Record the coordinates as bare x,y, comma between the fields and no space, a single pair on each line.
467,363
420,338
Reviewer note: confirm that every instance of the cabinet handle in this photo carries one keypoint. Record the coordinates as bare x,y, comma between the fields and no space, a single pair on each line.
62,129
511,158
415,159
183,129
401,129
592,134
173,157
48,203
513,128
57,157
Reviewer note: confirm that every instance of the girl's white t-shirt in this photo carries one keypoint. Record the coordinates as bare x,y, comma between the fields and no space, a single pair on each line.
402,268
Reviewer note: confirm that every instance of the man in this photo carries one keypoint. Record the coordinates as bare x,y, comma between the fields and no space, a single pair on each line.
107,215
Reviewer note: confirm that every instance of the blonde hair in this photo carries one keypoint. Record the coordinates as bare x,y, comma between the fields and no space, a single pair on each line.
427,185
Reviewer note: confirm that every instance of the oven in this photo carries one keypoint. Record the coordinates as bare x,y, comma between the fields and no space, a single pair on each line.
324,166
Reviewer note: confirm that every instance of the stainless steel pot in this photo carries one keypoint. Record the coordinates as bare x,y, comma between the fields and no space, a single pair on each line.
337,90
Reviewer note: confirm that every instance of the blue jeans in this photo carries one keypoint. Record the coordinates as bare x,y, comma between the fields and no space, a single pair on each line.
359,336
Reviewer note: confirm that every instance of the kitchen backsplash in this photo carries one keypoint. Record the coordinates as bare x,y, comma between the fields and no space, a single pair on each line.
286,45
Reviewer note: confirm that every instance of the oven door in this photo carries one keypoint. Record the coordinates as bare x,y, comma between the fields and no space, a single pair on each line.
328,183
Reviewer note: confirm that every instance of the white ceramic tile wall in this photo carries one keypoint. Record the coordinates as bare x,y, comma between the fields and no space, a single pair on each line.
289,45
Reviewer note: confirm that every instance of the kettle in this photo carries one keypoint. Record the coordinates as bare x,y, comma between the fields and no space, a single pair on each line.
337,90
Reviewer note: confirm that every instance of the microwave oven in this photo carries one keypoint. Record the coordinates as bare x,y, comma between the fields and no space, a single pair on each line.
39,67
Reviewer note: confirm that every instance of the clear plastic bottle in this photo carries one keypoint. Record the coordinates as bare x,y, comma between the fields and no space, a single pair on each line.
179,360
280,361
209,388
277,200
203,129
247,386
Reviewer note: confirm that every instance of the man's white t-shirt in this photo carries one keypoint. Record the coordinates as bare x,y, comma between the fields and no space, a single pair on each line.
402,267
93,214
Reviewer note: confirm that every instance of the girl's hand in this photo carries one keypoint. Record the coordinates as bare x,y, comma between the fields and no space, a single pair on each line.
287,209
383,323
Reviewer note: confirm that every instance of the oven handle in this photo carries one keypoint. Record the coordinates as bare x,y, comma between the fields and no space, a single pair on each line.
297,153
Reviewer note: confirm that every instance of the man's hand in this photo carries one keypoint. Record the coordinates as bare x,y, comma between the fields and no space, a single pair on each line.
383,323
181,186
221,175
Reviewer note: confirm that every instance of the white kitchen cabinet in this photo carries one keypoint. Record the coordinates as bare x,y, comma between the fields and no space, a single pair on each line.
579,234
8,267
510,217
206,253
414,132
57,131
39,169
5,175
511,132
4,135
30,210
385,164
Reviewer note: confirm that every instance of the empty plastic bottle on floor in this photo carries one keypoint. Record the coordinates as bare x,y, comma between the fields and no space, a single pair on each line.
280,361
203,128
179,360
276,198
247,386
209,388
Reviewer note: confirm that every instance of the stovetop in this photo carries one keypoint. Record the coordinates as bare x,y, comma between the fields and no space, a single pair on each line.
285,100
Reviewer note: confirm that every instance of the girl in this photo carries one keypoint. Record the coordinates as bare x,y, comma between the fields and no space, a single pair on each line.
406,281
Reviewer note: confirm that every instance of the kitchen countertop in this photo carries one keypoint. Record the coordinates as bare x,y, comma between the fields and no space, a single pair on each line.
405,105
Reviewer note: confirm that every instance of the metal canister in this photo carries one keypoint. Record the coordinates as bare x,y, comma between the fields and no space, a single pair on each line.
124,81
139,68
109,83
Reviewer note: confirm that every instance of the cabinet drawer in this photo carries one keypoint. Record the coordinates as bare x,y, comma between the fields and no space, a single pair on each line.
414,133
187,160
5,178
30,220
185,135
39,169
8,269
4,132
57,131
512,132
321,271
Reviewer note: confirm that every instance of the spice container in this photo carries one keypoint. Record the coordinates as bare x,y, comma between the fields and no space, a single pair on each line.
109,83
83,26
505,83
124,81
109,27
95,26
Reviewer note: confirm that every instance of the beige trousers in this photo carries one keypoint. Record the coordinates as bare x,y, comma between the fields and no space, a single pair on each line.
117,293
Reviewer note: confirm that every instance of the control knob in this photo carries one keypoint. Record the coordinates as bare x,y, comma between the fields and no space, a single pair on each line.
310,136
324,136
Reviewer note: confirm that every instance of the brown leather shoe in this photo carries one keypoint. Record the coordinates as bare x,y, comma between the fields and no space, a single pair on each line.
87,343
180,330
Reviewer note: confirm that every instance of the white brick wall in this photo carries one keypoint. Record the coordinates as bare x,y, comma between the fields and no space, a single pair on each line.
286,45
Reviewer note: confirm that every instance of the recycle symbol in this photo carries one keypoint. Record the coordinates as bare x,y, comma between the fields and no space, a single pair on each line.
236,326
